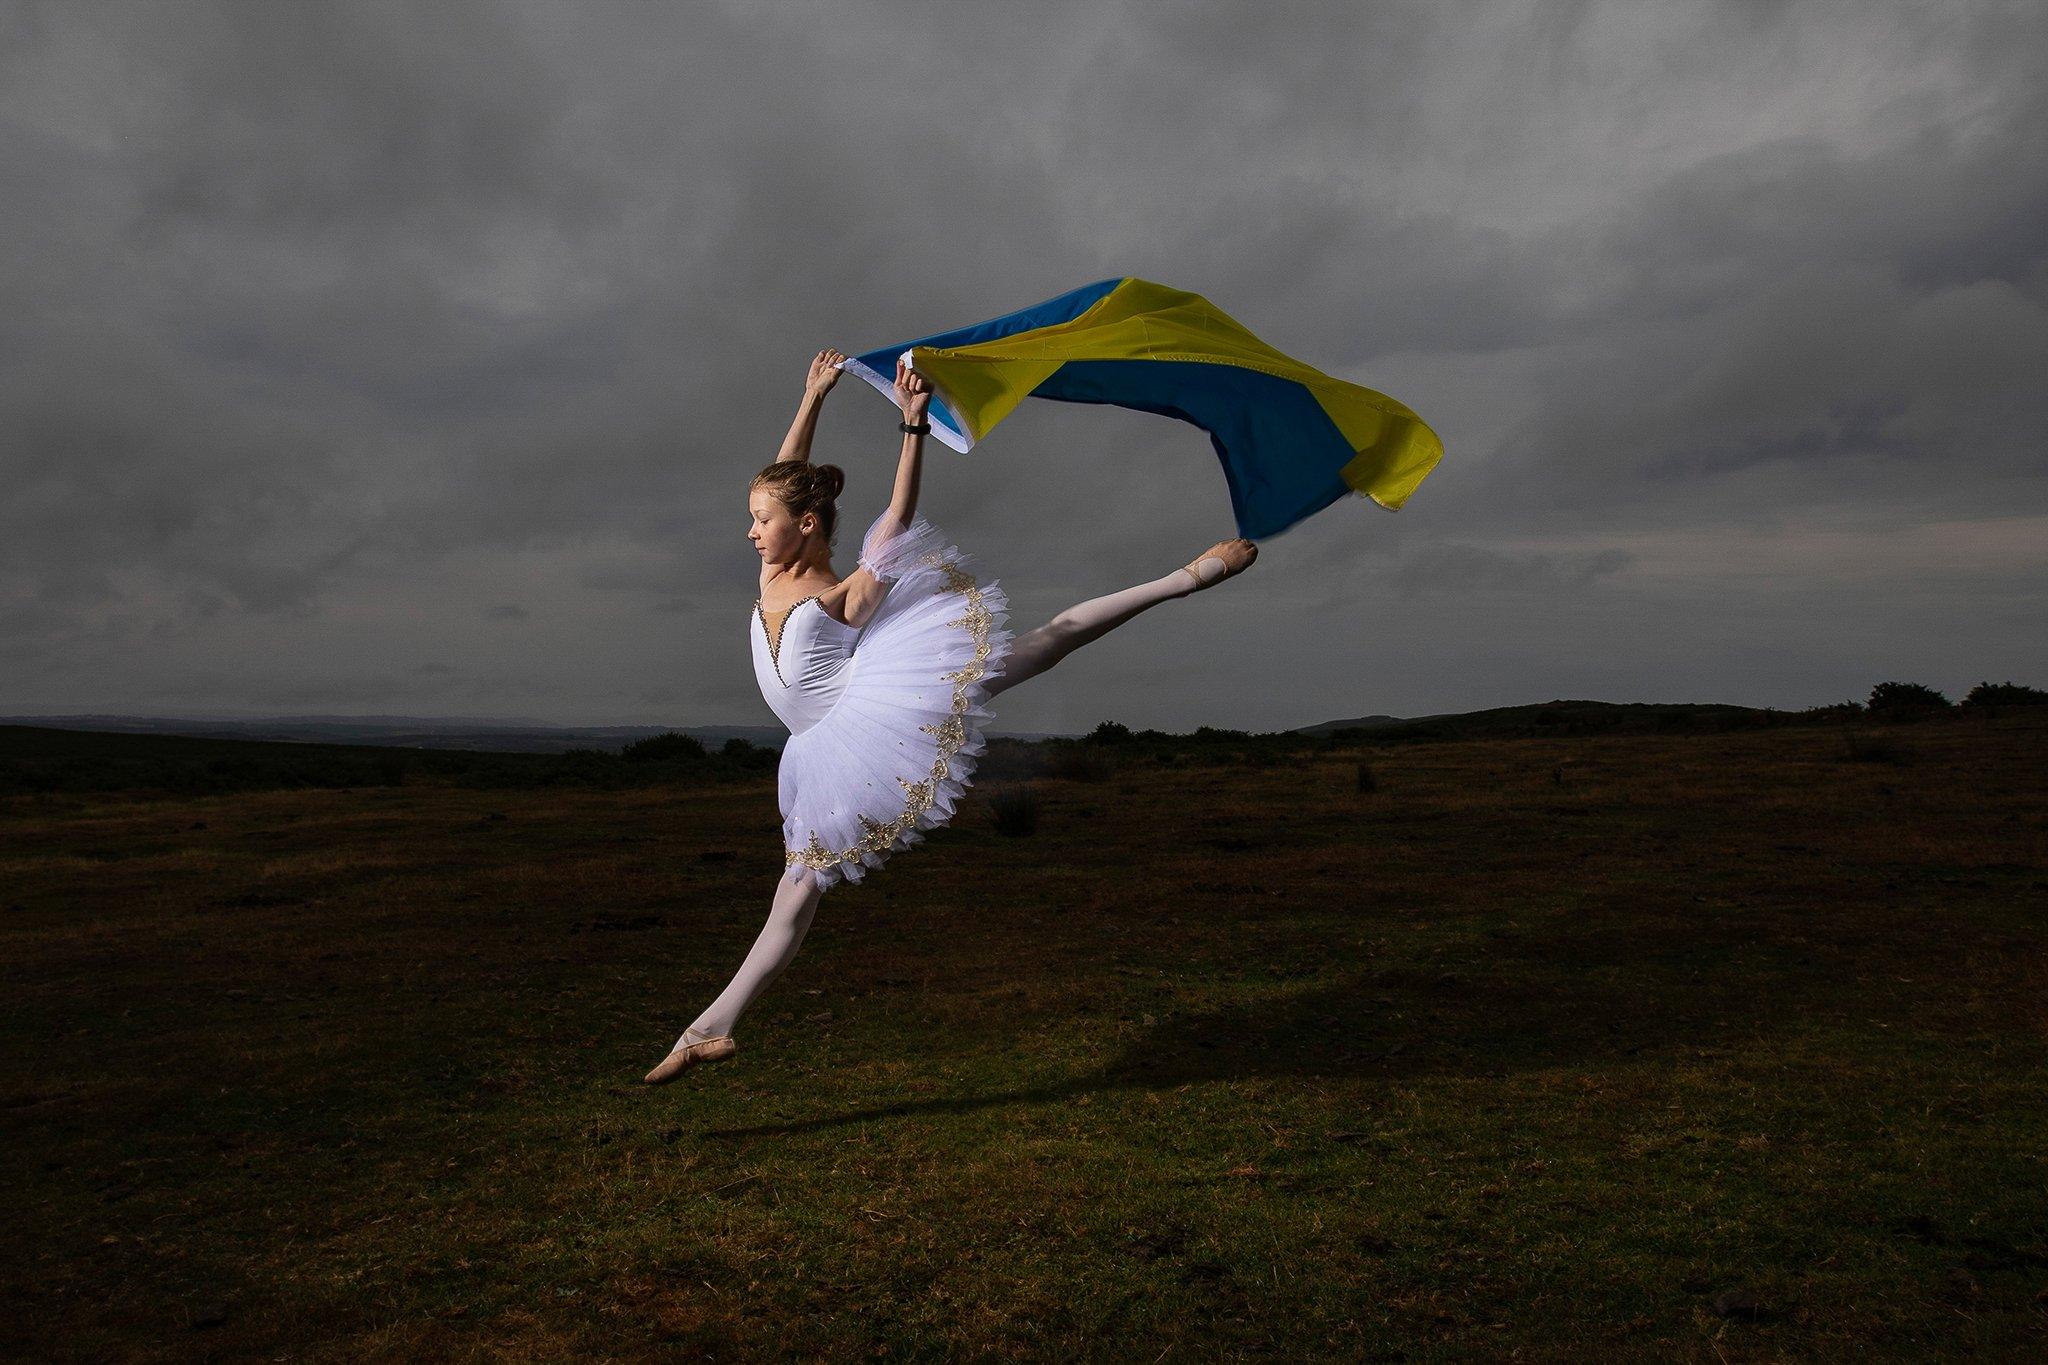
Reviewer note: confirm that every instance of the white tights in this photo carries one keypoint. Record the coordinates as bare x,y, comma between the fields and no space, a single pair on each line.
798,893
789,919
1035,651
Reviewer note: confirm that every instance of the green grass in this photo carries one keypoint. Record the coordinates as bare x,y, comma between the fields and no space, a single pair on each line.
1532,1052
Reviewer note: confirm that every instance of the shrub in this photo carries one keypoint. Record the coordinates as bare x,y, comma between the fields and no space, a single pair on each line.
666,747
390,770
1898,696
1367,782
1109,732
1015,810
2004,694
737,748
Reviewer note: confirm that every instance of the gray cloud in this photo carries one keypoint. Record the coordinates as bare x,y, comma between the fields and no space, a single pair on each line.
389,357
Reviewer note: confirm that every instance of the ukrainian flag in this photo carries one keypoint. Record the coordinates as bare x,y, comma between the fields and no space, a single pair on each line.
1292,439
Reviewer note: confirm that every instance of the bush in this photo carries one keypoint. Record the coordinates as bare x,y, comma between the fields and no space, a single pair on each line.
2004,694
666,747
1015,810
1367,782
1109,732
1898,696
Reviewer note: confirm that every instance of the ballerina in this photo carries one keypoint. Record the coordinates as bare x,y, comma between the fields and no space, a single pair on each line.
883,677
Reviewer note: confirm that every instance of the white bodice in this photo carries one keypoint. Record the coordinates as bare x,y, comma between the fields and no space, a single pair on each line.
804,669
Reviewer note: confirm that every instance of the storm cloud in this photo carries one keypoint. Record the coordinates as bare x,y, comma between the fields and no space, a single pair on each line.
415,358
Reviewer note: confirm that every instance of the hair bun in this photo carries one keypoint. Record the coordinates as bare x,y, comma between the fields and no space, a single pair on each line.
830,480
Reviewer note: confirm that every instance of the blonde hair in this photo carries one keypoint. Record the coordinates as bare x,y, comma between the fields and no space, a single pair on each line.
804,487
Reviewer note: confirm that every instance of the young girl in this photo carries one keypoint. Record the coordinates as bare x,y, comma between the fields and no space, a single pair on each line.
883,678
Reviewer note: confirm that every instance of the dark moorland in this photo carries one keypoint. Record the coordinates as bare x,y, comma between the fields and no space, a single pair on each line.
1708,1044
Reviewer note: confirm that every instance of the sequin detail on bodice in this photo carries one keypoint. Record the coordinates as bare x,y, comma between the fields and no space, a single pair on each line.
802,668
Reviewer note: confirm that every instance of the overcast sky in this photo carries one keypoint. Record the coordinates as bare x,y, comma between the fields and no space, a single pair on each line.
376,358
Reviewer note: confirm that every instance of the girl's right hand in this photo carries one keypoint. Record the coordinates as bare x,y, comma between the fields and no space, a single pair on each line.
825,371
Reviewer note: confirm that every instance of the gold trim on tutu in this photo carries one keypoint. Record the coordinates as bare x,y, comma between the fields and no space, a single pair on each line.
880,835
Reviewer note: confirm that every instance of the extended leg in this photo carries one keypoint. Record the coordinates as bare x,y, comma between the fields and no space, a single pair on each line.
789,919
1033,652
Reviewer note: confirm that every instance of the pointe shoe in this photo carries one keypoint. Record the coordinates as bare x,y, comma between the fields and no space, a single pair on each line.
688,1053
1237,556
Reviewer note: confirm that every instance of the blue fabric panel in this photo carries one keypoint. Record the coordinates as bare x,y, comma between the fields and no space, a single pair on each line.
1281,453
1051,313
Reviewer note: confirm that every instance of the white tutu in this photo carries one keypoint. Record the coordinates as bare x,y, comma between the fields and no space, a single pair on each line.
898,747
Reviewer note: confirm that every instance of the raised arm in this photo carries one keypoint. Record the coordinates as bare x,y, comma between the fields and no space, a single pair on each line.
889,542
914,396
824,373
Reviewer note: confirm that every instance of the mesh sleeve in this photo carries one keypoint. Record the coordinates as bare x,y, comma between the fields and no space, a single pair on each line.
890,549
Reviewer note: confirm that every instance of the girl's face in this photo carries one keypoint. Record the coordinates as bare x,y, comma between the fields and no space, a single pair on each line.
777,536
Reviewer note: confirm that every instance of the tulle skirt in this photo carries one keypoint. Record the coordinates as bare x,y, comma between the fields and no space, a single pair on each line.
897,751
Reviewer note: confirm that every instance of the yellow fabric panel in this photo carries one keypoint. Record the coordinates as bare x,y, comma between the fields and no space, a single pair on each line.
1396,449
981,392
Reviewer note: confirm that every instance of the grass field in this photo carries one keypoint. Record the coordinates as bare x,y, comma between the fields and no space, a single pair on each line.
1705,1047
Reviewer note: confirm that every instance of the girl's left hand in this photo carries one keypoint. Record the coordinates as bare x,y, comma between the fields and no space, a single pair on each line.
913,393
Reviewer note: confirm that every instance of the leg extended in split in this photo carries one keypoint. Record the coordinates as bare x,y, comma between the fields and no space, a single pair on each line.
1035,651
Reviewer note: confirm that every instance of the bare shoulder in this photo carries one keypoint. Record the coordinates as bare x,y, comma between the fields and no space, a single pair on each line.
778,590
781,592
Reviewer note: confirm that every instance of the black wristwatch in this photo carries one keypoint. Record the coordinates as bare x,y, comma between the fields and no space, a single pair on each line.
921,429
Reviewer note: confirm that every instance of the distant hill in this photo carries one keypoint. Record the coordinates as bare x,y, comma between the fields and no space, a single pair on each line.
398,732
245,755
1362,723
1560,718
417,732
41,759
476,735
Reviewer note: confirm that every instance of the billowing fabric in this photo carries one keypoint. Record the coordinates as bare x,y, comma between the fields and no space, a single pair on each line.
1291,439
886,721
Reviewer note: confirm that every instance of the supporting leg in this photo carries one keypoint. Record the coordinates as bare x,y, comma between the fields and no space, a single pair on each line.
1033,652
789,919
